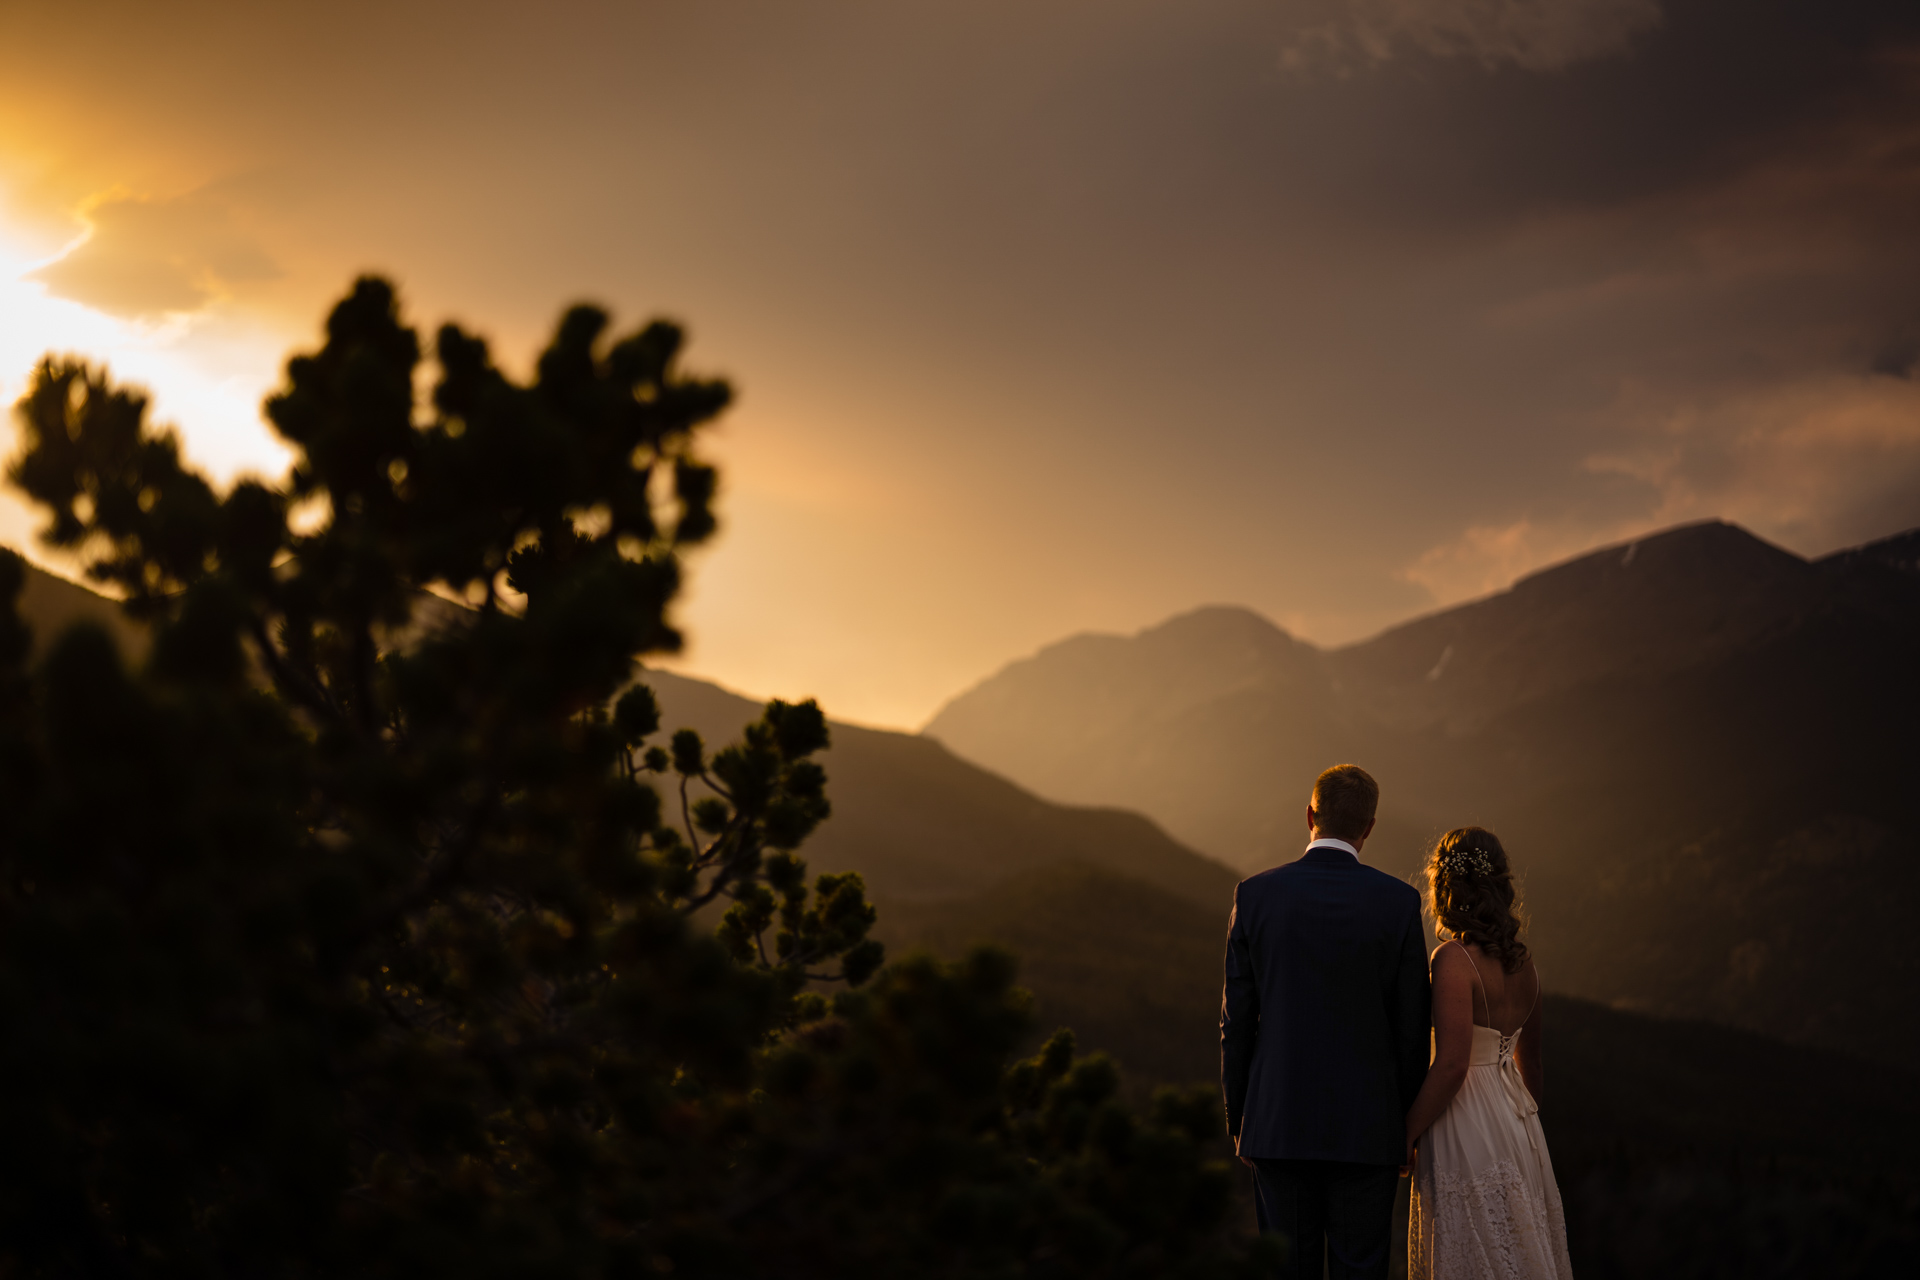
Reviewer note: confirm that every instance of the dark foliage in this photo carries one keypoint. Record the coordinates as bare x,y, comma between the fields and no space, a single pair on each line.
351,934
1691,1150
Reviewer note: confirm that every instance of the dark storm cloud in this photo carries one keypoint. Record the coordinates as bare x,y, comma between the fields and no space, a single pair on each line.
1050,315
1423,138
1342,36
1897,359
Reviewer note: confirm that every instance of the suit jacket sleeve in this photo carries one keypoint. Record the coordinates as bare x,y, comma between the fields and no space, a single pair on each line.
1239,1020
1412,1012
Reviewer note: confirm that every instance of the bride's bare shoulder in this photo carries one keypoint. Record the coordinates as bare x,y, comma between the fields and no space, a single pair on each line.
1528,975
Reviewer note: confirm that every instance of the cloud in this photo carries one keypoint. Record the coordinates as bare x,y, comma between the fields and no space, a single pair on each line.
1815,464
1486,558
1536,35
1897,358
1741,346
144,257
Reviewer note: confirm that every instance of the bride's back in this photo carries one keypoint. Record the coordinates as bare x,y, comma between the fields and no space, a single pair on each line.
1501,1000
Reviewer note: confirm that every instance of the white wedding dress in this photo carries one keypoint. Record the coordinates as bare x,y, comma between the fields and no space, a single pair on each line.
1485,1205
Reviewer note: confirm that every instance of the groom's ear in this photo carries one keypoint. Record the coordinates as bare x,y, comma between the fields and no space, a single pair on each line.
1369,830
1311,826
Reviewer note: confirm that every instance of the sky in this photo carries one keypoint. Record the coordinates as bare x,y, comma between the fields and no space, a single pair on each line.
1045,316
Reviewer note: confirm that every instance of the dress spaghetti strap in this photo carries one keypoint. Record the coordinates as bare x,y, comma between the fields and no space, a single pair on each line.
1483,986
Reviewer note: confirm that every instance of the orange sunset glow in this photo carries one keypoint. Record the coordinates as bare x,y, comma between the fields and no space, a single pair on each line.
1042,323
959,639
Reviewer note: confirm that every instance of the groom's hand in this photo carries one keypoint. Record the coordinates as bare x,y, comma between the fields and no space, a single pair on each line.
1247,1161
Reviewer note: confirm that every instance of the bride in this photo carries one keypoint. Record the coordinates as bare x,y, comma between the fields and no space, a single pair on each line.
1484,1198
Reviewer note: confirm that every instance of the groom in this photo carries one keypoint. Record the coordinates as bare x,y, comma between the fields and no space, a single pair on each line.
1323,1036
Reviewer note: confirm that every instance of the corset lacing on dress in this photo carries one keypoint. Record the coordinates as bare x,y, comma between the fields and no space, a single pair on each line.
1512,1082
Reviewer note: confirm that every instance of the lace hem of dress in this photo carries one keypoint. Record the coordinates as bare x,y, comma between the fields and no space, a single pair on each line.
1491,1225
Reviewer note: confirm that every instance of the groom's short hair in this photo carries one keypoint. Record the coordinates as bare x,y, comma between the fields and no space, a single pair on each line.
1344,800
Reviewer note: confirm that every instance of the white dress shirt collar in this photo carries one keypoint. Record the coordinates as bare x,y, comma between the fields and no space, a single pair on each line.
1328,842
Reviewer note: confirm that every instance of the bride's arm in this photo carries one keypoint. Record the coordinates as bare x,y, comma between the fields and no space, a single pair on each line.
1527,1053
1452,1041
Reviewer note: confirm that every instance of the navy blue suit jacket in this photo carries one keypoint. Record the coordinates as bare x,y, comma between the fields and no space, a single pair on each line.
1324,1019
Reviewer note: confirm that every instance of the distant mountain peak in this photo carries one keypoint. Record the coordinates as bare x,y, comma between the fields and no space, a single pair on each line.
1660,603
1706,547
1900,552
1208,625
1219,619
1191,658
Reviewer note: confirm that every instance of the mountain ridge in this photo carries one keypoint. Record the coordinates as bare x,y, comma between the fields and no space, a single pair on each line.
1568,580
1696,745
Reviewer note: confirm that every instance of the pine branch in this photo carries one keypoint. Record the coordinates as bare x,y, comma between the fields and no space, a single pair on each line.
306,693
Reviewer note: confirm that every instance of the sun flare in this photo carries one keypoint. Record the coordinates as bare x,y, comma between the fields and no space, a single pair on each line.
205,374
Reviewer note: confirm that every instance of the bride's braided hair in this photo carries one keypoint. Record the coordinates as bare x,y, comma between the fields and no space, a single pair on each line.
1470,894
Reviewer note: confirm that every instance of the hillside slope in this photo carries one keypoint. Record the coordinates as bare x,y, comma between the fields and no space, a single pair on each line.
50,604
921,824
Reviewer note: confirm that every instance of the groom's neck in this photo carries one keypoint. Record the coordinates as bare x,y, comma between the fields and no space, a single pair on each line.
1358,842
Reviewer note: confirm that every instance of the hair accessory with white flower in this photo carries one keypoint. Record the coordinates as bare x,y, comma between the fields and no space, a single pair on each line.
1462,859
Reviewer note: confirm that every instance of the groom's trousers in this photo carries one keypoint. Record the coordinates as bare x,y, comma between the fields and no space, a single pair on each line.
1347,1208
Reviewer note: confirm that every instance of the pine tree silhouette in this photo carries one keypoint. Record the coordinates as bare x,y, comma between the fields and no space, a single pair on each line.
355,932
